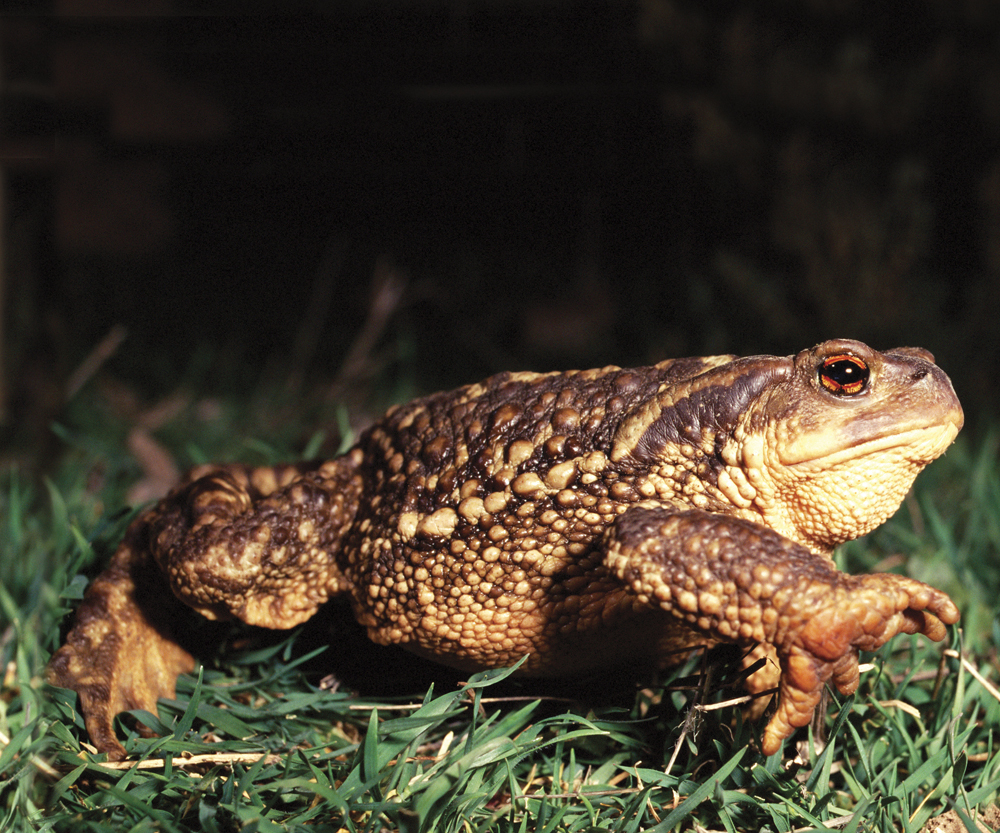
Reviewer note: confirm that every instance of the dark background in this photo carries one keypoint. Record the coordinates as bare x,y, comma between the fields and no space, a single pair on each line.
556,184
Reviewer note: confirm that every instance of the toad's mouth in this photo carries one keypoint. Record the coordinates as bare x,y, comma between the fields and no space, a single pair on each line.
919,445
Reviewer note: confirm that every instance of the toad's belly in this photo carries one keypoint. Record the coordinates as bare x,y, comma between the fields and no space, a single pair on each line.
557,640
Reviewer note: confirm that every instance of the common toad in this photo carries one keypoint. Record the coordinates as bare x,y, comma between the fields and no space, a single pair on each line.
580,519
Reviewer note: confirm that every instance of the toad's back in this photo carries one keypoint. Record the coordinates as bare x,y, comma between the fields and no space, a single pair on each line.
479,537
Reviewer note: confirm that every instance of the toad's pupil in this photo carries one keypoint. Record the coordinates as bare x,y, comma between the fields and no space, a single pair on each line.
845,373
844,370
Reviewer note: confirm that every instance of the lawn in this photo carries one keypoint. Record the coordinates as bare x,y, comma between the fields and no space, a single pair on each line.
269,735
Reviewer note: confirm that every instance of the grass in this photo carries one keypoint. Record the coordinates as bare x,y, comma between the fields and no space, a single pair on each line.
257,741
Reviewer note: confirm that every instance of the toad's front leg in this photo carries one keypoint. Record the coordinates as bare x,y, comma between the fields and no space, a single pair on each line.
738,582
258,545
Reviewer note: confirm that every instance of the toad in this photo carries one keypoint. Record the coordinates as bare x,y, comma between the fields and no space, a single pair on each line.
578,520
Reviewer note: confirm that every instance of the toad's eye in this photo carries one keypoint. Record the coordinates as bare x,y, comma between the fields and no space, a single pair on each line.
844,375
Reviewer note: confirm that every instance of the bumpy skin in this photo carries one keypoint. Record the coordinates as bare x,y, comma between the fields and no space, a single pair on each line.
579,519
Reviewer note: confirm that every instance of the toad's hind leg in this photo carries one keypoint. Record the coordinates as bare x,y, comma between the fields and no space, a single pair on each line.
258,545
734,581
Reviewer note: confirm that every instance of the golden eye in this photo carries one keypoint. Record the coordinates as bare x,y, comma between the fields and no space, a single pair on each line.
844,375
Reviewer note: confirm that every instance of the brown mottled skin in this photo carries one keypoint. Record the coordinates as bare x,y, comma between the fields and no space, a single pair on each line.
580,518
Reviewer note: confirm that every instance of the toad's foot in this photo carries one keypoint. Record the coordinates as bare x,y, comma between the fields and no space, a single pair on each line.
734,581
120,654
863,613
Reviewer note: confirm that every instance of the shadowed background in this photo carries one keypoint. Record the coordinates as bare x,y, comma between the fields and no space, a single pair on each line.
517,185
